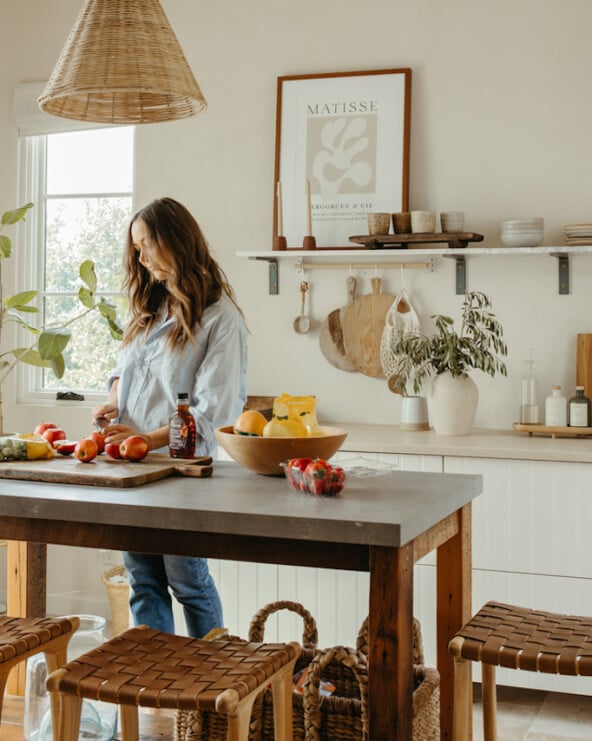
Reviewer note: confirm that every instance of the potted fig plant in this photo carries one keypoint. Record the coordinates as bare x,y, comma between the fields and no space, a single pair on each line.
50,339
448,357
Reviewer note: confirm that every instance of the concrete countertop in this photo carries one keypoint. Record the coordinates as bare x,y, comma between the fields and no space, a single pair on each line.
386,510
481,443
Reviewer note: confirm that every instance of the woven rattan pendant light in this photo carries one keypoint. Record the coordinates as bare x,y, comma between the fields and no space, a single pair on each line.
122,64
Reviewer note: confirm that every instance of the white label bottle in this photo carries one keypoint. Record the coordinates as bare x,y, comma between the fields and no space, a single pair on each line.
556,409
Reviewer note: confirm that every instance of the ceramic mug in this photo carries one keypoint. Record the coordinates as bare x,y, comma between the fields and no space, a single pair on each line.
402,222
423,221
452,221
378,223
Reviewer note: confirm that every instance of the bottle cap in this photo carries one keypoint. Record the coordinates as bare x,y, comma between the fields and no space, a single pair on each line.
182,395
556,387
579,388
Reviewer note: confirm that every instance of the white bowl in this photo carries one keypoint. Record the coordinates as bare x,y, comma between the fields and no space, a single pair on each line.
536,221
521,240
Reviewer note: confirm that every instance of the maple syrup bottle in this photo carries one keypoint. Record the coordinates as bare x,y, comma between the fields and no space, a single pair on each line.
182,430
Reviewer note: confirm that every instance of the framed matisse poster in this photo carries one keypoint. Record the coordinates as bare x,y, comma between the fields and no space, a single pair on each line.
342,150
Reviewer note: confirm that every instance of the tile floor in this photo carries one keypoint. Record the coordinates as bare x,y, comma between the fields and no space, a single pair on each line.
523,715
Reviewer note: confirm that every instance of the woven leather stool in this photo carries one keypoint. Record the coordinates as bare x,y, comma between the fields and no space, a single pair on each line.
515,638
146,668
24,637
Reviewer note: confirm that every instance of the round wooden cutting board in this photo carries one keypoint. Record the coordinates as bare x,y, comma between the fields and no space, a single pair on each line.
362,323
331,333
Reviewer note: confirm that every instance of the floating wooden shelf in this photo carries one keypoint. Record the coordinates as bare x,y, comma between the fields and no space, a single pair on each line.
553,431
454,240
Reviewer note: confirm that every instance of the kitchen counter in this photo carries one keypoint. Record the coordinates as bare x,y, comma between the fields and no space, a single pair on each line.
481,443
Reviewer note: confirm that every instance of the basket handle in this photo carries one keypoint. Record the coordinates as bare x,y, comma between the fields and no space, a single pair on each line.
418,657
310,636
355,661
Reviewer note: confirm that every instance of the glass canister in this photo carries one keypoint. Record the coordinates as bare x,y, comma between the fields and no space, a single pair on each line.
98,721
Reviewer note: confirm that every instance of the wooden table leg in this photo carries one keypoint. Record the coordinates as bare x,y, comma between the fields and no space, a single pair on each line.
454,606
390,636
26,582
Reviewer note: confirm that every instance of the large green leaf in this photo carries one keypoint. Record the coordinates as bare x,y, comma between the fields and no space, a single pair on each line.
88,275
58,366
31,357
17,214
17,319
86,297
19,300
5,246
53,341
115,330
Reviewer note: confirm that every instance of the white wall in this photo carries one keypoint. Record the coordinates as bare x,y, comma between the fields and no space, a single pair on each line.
500,112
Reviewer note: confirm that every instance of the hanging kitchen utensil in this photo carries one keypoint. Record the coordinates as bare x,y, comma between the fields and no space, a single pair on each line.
362,323
331,332
401,320
302,322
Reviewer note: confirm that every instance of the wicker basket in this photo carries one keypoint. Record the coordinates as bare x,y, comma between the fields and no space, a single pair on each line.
118,593
343,714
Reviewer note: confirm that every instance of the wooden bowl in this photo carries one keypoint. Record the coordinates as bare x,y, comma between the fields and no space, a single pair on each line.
265,454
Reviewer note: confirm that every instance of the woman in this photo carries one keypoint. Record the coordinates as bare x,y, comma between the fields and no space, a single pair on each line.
186,334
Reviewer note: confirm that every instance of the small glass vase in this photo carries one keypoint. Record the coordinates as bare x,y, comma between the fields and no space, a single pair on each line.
98,721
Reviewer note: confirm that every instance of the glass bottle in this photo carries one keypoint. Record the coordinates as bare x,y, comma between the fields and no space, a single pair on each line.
182,430
556,409
98,721
529,408
580,409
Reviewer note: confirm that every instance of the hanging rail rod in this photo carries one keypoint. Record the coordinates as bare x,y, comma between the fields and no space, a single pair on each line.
301,265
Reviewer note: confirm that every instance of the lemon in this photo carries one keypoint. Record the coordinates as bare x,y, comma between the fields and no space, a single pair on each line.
250,423
284,428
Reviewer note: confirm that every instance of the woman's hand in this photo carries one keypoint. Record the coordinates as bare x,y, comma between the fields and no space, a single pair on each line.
117,433
103,414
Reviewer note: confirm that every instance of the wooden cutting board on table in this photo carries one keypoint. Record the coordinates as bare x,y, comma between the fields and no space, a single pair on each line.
105,471
362,324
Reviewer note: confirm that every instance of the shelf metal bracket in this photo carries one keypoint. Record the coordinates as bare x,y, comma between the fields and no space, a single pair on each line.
563,270
461,273
274,281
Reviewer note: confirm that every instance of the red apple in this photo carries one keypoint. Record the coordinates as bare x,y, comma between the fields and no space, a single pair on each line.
112,450
54,433
134,448
99,439
86,450
42,426
65,447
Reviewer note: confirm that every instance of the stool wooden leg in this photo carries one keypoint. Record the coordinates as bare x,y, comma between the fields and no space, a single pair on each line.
70,710
239,720
4,672
282,703
489,702
462,707
130,730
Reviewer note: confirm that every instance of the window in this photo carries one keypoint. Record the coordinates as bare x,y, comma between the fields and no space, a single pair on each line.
81,185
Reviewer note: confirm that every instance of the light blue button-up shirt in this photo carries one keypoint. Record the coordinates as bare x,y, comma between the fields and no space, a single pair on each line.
212,370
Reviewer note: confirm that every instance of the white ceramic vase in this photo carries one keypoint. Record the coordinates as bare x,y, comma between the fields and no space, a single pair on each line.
414,413
452,403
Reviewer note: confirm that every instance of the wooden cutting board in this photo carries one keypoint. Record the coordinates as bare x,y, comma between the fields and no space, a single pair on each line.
331,333
584,363
362,324
105,471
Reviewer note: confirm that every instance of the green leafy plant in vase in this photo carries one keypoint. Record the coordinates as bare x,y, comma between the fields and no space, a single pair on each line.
447,357
51,338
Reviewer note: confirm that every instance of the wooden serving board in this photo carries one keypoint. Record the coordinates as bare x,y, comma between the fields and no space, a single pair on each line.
453,240
105,471
553,431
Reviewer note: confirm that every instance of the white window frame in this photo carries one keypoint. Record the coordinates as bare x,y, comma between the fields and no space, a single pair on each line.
34,126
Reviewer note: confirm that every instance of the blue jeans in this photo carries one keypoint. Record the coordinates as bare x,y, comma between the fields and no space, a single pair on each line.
190,582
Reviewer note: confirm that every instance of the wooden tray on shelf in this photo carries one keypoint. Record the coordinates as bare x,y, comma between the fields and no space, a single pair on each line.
553,431
454,240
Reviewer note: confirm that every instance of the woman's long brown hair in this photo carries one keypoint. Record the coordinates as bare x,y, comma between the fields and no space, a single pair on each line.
197,281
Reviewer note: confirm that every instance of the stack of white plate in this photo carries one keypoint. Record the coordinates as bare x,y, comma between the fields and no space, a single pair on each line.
523,232
578,234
